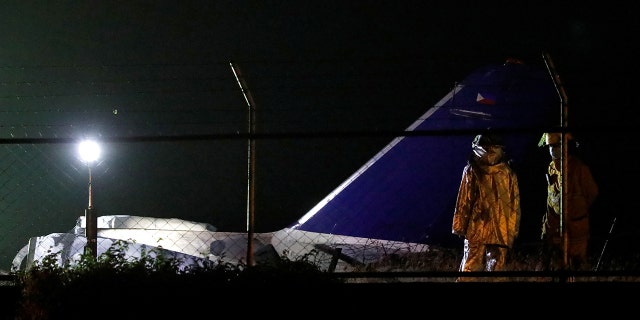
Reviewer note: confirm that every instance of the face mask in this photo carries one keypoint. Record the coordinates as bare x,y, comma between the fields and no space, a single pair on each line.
479,151
555,151
489,155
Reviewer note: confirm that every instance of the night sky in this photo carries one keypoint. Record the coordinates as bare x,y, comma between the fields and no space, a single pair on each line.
144,76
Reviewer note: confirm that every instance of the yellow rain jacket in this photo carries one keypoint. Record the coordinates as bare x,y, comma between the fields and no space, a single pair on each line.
488,205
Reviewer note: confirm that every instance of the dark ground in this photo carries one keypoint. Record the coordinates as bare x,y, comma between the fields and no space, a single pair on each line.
397,299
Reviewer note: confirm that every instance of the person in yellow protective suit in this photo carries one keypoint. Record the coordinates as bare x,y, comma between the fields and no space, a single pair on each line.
487,211
581,193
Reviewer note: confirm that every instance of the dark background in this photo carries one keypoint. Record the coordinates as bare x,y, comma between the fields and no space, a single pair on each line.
143,75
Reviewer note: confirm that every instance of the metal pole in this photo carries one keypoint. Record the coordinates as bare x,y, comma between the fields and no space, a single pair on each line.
564,113
605,244
90,189
91,223
251,164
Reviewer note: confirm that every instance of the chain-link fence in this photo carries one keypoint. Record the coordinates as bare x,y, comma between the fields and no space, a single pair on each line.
168,195
175,174
174,147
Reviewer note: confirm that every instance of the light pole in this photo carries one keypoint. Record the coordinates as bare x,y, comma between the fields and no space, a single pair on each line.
90,152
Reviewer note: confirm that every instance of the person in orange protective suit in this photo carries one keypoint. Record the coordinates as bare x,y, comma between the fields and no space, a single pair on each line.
582,191
487,210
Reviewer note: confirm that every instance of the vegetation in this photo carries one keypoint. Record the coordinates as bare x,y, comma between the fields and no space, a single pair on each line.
154,285
144,286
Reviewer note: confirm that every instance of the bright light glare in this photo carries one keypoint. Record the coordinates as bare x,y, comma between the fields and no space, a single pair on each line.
89,151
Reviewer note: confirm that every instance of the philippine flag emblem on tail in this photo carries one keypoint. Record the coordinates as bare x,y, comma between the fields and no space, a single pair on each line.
485,99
